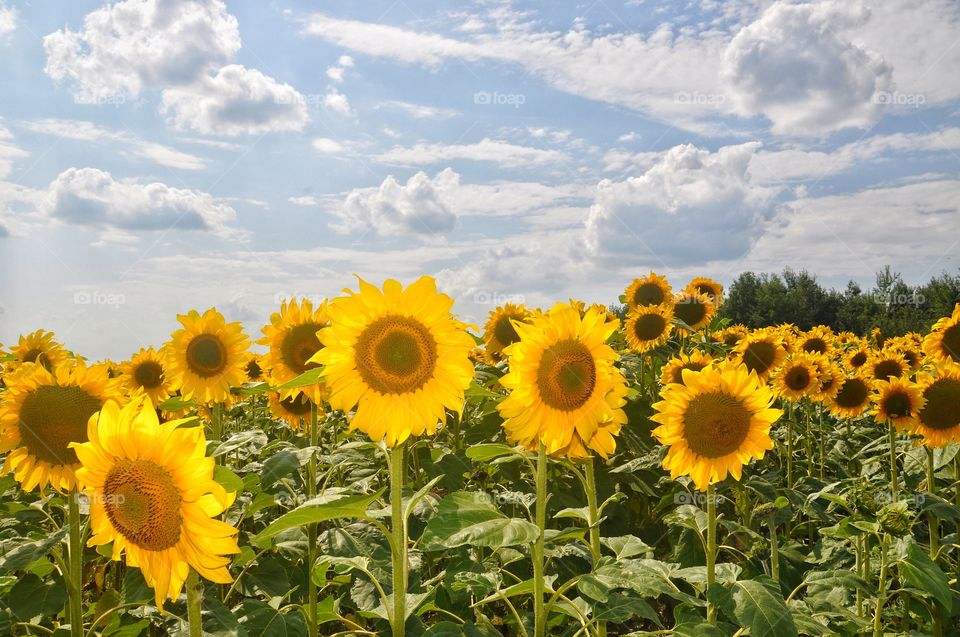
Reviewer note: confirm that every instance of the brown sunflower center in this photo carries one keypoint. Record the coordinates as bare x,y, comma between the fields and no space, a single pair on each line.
297,406
254,371
648,294
299,344
731,339
950,342
148,374
37,355
691,311
942,410
678,373
52,417
853,393
815,344
567,375
887,368
759,356
897,404
715,424
206,355
649,327
143,504
912,358
858,359
396,354
703,288
504,331
797,378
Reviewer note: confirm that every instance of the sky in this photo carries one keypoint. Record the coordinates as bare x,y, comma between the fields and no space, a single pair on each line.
159,156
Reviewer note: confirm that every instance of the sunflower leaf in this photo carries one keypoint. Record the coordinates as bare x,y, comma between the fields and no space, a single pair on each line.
306,379
314,511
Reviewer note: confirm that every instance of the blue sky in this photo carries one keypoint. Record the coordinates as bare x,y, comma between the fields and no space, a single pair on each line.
157,157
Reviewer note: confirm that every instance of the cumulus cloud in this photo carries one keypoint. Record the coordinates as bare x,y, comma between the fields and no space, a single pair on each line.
91,197
791,66
9,152
692,206
503,153
8,19
326,146
337,102
236,101
422,206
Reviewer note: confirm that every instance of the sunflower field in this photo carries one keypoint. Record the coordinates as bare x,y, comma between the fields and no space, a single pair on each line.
372,465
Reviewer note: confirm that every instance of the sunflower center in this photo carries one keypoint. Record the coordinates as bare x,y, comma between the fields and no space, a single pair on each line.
887,369
691,311
706,289
299,345
504,331
731,339
942,410
715,424
298,406
678,374
815,344
858,359
143,504
912,358
759,356
649,327
206,355
648,294
254,371
853,393
37,355
148,374
797,378
897,405
567,375
950,342
52,417
396,354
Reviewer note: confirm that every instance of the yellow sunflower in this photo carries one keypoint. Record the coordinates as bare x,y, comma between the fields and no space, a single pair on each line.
564,388
256,369
942,344
886,364
293,341
857,357
499,333
652,289
938,421
761,351
398,355
696,310
852,397
910,346
731,335
831,377
42,413
207,357
897,401
672,371
39,347
648,326
152,494
293,410
145,370
703,285
714,423
817,340
799,376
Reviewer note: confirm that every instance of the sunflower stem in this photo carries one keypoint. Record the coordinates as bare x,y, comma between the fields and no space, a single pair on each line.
934,523
790,446
711,550
76,566
194,604
822,432
882,594
312,529
539,614
894,488
774,551
399,548
594,510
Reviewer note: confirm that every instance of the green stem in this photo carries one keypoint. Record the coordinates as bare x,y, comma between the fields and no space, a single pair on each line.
790,447
539,614
823,445
858,545
711,550
882,594
312,622
75,572
591,490
399,548
194,604
894,488
774,552
934,525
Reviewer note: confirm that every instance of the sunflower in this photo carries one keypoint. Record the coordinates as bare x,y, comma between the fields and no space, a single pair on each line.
652,289
152,494
938,421
831,377
564,388
145,370
714,423
857,357
942,344
499,333
817,340
647,327
703,285
256,370
39,347
799,376
672,371
293,341
42,413
897,401
852,397
696,310
886,365
293,409
207,357
761,351
731,335
910,346
398,355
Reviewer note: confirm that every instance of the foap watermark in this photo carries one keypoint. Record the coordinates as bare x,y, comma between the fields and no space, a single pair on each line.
287,297
696,98
116,100
896,98
696,498
496,98
103,499
484,297
898,298
96,297
913,500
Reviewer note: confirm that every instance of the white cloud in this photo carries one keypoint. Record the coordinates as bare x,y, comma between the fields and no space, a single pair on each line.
326,146
236,101
422,206
8,19
91,197
9,152
337,102
335,73
305,200
128,46
421,111
503,153
692,206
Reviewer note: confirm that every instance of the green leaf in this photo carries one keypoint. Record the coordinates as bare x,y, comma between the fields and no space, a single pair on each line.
488,452
279,465
265,621
698,630
760,607
626,546
176,404
918,569
228,479
316,510
306,379
34,597
29,552
467,518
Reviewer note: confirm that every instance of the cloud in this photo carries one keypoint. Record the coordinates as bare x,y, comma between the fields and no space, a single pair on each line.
337,71
326,146
9,153
421,111
691,207
236,101
337,102
91,197
8,19
305,200
128,46
503,153
419,207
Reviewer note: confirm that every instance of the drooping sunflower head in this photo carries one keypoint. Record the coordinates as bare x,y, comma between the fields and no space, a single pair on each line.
762,351
817,340
852,397
499,333
714,423
207,356
696,310
652,289
293,410
145,370
731,335
897,401
938,421
886,364
563,383
152,494
648,327
42,413
398,355
40,347
292,337
702,285
672,371
799,376
256,369
942,344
